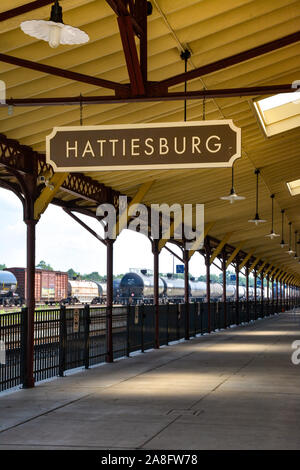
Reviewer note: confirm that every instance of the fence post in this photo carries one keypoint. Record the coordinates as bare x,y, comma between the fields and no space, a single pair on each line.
168,310
127,332
201,318
23,349
62,340
141,309
87,321
178,318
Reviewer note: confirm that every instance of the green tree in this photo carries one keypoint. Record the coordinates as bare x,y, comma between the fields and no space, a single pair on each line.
94,276
43,265
72,273
2,266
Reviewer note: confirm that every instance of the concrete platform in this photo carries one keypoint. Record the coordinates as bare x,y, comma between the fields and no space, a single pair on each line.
235,389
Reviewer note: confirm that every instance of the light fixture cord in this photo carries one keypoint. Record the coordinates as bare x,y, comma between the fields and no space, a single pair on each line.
290,237
272,196
203,113
257,172
185,55
282,215
185,88
232,177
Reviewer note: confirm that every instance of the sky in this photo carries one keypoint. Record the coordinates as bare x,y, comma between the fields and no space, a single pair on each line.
64,244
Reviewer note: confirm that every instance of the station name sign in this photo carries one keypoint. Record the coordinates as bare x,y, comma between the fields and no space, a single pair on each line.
195,144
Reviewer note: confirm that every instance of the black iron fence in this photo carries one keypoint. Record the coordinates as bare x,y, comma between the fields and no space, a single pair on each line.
68,338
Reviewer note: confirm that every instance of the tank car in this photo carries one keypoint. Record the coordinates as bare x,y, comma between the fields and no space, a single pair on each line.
251,293
139,286
242,292
197,290
8,287
116,288
230,292
174,288
216,291
82,291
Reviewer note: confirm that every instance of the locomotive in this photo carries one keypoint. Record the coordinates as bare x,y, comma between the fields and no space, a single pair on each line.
8,288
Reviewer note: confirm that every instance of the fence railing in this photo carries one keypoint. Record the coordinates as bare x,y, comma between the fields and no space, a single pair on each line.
68,338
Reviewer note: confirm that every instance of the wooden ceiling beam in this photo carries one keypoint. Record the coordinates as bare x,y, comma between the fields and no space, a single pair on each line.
68,74
232,60
233,255
220,246
131,55
151,96
29,6
120,9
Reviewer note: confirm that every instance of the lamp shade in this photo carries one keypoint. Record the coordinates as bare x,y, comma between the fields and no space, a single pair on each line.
257,220
54,33
232,197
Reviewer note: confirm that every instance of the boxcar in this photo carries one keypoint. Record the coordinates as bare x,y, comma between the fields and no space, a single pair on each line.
50,286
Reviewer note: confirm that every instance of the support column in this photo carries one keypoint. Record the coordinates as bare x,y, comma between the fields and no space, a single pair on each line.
28,184
186,293
109,300
237,298
155,252
247,292
207,262
255,293
30,302
224,259
280,290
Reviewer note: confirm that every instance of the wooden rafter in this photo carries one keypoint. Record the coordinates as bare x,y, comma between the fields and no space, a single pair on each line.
232,60
233,255
220,247
153,96
29,6
49,69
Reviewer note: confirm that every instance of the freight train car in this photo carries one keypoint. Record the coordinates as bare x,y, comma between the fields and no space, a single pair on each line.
50,286
102,292
138,286
82,291
8,288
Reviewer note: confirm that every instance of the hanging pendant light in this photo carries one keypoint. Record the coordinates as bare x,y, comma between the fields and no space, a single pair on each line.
282,243
290,250
232,197
257,220
272,234
54,31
